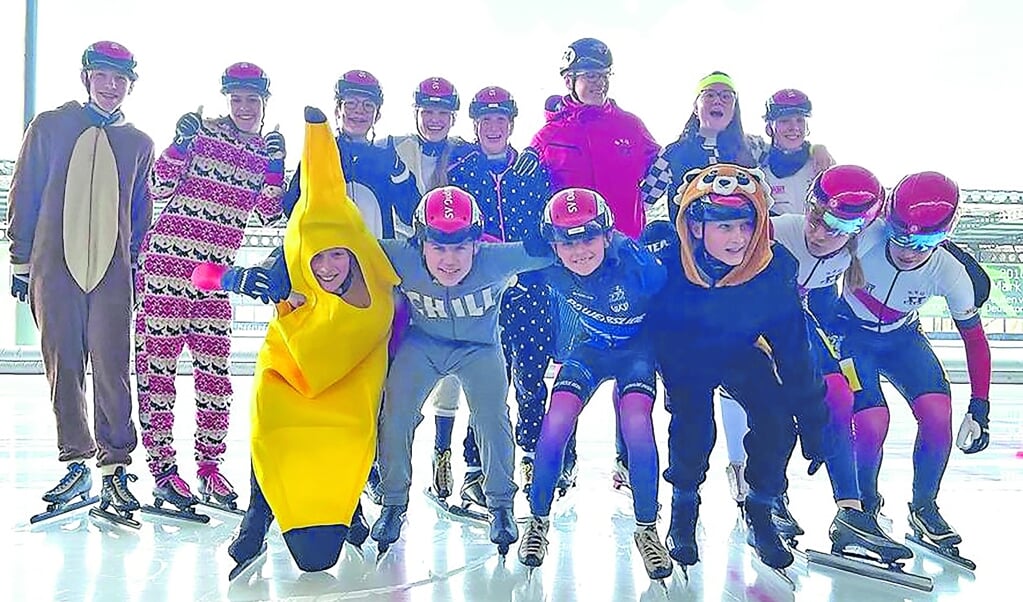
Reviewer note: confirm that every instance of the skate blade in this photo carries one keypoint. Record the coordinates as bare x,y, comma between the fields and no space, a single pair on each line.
126,521
469,514
187,515
223,508
949,553
62,510
241,567
868,568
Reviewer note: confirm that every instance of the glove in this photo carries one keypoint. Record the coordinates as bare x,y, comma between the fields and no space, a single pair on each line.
660,238
274,142
252,282
973,435
527,163
19,283
187,129
811,441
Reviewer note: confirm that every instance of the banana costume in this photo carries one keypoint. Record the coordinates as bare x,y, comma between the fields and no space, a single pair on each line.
320,372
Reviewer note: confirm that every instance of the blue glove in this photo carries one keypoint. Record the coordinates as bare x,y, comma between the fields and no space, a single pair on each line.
973,432
254,282
187,129
275,149
527,163
19,286
660,238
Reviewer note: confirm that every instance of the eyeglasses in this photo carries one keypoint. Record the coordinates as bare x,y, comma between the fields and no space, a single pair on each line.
360,104
593,76
726,96
916,242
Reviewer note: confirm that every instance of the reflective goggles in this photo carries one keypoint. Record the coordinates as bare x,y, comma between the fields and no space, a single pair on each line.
916,242
836,226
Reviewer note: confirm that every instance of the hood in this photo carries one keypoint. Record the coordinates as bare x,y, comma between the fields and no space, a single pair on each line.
324,339
726,179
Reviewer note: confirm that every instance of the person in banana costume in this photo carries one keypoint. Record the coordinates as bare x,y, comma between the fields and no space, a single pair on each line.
314,413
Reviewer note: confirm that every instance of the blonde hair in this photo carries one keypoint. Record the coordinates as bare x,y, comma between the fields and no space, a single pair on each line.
853,278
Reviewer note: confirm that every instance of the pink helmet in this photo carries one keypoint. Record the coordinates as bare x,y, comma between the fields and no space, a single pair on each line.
109,55
787,102
448,215
359,82
493,100
922,210
575,213
245,76
846,197
436,93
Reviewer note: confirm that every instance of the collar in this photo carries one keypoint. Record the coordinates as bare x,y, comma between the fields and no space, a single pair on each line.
101,118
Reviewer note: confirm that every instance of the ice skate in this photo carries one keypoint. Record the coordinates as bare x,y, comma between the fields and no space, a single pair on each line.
249,544
387,529
116,502
620,477
785,522
440,489
358,531
215,490
681,539
77,483
533,547
655,556
736,473
860,547
172,489
474,502
503,530
569,473
931,532
372,488
526,470
763,535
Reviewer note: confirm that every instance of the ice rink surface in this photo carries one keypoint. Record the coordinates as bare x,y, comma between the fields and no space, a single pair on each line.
591,555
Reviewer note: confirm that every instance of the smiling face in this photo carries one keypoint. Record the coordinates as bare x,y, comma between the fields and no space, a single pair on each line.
726,241
821,240
788,133
357,113
449,264
715,107
246,110
583,256
107,88
493,131
434,124
590,87
332,268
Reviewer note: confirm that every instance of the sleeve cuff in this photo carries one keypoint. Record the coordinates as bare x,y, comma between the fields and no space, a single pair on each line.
21,269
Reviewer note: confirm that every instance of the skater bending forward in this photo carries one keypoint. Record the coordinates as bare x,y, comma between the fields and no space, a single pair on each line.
453,284
609,280
315,413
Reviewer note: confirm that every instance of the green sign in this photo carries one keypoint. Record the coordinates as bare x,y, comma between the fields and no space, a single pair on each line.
1005,301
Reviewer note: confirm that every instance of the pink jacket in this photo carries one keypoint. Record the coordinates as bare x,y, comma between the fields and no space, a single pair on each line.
602,148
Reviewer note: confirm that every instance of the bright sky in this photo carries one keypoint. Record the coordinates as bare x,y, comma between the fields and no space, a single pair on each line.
897,85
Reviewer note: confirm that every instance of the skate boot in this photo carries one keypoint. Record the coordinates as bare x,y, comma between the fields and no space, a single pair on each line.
387,529
372,488
681,539
763,535
77,482
873,507
115,496
533,547
526,469
569,472
932,532
359,529
655,556
783,519
474,501
250,541
736,473
216,491
172,489
503,529
620,477
443,481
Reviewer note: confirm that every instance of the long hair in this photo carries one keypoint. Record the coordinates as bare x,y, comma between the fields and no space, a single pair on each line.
732,144
853,278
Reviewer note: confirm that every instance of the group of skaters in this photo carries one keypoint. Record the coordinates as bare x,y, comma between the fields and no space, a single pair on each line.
783,283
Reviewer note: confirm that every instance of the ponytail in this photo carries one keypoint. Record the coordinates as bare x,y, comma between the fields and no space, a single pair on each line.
853,278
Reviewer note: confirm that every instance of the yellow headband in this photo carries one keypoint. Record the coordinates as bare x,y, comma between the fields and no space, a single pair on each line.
715,78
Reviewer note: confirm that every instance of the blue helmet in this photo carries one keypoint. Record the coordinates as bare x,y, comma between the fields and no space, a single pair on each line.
586,54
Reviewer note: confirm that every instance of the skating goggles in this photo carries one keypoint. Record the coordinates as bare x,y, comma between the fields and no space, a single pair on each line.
836,226
916,242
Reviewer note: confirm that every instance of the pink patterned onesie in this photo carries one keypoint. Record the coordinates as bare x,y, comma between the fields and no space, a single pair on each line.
212,189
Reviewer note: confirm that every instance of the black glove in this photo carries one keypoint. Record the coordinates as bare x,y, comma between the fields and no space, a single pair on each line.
19,285
527,163
187,129
973,432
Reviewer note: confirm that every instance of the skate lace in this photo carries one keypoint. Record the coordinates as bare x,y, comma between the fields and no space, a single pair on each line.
217,483
74,471
442,471
650,549
930,517
534,542
527,472
175,482
120,484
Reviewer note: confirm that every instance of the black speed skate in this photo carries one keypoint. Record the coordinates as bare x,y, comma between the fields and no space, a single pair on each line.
861,547
681,539
931,532
503,530
172,489
358,531
763,535
787,526
387,529
474,501
115,496
215,491
61,499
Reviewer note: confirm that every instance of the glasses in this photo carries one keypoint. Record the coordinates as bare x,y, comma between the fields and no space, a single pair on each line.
726,96
593,76
916,242
359,104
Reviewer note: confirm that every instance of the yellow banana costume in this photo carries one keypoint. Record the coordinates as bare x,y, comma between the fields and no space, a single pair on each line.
320,372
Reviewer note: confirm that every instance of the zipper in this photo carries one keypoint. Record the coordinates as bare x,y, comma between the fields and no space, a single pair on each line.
888,296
